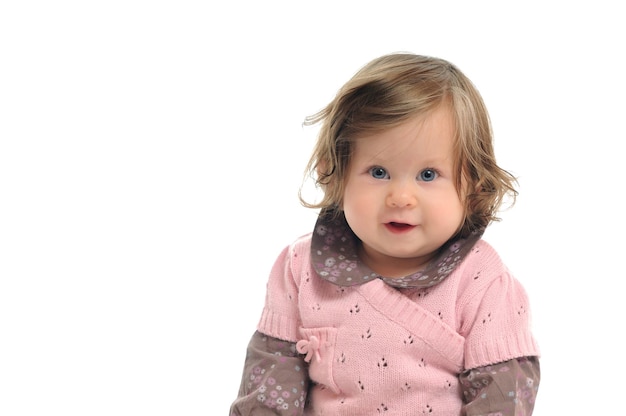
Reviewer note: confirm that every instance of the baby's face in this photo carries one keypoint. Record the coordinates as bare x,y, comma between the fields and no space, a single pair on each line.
400,197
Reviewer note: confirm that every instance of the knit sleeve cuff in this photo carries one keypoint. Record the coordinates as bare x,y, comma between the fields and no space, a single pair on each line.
499,350
278,326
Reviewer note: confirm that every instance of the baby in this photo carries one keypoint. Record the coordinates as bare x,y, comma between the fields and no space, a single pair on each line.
395,304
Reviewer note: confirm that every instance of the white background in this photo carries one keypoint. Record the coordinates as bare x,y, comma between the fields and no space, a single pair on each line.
151,153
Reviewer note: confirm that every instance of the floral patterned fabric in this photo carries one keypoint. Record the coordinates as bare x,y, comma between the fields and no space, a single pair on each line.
503,389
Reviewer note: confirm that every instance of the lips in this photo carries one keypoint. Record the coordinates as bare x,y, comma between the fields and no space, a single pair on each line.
398,227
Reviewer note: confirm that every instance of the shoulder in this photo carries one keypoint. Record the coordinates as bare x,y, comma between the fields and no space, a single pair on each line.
300,249
483,248
484,258
493,310
293,258
302,243
481,267
484,279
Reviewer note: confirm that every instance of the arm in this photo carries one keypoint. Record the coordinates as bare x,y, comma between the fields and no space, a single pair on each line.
507,389
274,381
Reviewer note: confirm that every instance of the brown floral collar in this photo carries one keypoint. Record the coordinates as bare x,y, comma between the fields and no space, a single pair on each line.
334,257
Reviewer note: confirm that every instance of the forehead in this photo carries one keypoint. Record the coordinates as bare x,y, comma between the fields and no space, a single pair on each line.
425,135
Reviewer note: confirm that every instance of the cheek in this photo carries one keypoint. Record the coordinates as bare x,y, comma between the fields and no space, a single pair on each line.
356,199
351,201
457,211
446,205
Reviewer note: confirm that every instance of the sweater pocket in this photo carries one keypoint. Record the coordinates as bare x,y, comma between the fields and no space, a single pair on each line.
318,345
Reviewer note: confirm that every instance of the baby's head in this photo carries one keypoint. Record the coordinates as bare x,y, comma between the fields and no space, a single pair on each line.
391,90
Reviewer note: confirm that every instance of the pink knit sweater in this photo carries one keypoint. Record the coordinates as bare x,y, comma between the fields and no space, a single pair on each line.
376,349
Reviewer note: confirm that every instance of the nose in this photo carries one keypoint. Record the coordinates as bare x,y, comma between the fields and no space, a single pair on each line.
402,195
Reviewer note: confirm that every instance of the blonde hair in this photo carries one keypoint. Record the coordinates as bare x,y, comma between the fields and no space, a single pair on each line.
389,90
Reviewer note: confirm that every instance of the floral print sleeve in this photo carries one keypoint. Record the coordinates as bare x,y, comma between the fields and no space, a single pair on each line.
274,380
504,389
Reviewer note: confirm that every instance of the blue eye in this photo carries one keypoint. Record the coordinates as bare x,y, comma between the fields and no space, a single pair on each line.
428,175
378,173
